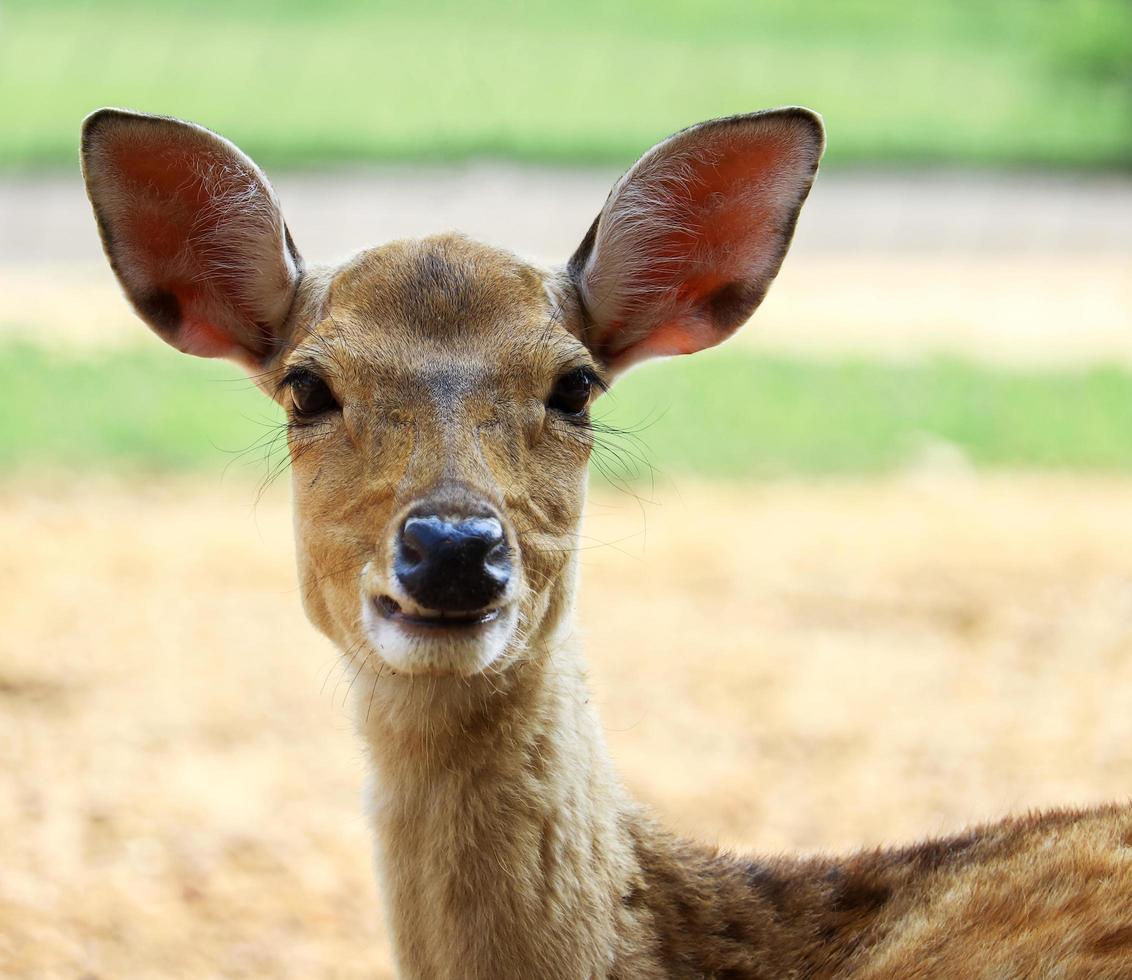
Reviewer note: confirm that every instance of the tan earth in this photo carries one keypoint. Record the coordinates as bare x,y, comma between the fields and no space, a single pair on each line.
785,666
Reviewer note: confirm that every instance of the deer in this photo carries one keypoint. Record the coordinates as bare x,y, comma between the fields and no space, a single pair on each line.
438,396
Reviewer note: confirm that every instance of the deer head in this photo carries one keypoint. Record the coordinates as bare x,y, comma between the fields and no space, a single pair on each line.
438,392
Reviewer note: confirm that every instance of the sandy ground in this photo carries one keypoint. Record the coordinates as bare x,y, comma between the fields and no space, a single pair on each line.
1011,268
779,667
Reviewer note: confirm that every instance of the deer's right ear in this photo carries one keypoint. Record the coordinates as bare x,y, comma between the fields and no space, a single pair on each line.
692,236
194,233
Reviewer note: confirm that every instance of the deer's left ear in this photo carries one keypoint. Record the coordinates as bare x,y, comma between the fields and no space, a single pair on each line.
692,236
194,233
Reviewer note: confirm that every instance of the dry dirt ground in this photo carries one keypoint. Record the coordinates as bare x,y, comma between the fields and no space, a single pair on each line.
779,667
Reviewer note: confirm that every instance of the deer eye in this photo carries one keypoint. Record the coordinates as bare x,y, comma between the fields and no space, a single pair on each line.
310,395
571,392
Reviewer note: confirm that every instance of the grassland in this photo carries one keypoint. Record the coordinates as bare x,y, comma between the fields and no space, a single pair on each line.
731,413
1014,82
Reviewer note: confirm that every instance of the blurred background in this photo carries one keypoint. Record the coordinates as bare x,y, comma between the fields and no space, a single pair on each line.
918,454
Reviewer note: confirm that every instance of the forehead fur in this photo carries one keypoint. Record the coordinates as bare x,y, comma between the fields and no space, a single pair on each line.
441,288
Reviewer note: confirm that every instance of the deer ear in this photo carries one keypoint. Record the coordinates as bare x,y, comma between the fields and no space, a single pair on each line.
194,233
692,236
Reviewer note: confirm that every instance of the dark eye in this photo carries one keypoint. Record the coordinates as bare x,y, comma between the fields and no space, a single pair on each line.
571,392
310,395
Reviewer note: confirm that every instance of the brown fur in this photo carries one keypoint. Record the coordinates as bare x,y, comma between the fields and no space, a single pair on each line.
506,847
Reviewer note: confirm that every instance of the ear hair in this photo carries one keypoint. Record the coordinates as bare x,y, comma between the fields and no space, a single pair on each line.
692,235
194,232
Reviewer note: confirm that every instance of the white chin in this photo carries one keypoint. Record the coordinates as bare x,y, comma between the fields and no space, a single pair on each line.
461,650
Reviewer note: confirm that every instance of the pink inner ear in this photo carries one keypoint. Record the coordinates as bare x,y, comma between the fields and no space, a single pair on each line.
703,237
172,203
161,166
684,336
159,236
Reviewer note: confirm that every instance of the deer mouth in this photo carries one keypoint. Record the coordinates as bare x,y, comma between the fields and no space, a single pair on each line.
388,608
415,639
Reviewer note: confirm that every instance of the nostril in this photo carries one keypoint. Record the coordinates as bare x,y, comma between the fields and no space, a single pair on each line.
500,552
410,550
485,533
421,537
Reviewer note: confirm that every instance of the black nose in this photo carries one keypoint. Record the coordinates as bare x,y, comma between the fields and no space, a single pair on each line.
453,565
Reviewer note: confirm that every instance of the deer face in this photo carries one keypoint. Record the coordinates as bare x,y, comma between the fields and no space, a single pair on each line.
439,435
438,391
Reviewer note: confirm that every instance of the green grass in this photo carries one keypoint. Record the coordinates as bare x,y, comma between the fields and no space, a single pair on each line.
297,83
728,414
734,414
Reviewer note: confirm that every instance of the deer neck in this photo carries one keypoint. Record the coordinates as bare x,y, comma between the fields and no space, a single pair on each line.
502,840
